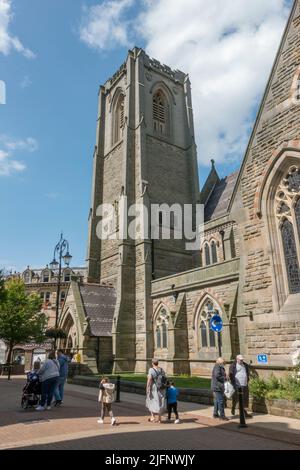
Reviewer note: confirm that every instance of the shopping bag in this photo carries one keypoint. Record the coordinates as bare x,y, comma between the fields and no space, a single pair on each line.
228,390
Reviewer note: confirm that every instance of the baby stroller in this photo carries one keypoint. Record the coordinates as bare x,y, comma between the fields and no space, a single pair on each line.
31,391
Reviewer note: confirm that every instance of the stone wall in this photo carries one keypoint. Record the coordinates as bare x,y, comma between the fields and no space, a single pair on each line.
272,338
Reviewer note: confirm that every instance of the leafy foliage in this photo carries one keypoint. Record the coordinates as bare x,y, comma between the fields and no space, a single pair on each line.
56,333
20,317
287,388
2,287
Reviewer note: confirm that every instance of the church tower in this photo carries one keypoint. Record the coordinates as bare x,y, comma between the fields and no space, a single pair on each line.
145,152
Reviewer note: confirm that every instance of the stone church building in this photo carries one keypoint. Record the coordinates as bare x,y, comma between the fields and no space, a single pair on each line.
155,298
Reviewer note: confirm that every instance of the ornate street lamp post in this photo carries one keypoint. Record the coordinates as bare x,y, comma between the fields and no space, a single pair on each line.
62,251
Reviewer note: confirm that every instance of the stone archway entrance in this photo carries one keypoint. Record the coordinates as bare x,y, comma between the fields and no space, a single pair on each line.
70,343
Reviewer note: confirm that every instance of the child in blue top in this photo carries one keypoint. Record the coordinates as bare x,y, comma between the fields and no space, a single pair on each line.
172,394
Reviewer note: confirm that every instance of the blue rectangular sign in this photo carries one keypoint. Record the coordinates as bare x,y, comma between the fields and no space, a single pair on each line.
262,359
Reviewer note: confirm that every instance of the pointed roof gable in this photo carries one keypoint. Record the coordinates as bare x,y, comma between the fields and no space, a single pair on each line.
294,10
217,205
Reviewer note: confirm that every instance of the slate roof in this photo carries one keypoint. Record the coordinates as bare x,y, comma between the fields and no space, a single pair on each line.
218,202
99,303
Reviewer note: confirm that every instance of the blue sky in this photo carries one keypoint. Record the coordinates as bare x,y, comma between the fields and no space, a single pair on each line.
64,50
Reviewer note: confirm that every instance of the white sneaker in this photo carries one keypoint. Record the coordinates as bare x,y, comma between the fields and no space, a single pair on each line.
177,421
40,408
48,408
113,421
100,421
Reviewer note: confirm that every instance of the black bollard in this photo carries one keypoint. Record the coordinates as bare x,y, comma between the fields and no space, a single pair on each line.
241,407
9,372
118,389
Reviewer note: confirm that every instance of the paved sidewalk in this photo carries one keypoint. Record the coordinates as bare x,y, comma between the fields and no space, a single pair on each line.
270,422
74,426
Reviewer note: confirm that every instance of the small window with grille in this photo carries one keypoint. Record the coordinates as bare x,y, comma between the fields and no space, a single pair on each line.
119,120
160,113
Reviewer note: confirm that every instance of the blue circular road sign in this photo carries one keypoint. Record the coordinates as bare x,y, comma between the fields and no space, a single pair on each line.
216,323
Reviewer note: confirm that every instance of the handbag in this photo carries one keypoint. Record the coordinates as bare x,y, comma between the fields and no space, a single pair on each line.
228,390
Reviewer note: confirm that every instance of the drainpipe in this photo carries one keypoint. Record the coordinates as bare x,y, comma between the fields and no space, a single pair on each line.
152,259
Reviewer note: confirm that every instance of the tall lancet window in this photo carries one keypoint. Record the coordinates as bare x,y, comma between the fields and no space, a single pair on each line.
288,215
160,113
161,329
118,123
214,255
290,255
207,255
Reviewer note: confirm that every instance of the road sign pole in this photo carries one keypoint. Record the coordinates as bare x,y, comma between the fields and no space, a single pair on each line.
241,407
219,344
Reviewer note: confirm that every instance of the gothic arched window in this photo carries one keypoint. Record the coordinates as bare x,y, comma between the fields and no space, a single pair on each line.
203,331
207,335
214,256
161,330
160,113
164,335
207,255
212,335
118,122
158,338
290,255
287,210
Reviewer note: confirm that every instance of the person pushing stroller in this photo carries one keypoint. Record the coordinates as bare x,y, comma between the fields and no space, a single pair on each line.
32,389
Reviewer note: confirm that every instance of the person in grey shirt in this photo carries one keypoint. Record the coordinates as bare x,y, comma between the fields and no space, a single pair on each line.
48,375
239,378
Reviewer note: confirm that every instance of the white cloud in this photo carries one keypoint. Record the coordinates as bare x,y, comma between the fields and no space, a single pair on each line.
26,82
226,46
8,42
8,164
104,25
29,144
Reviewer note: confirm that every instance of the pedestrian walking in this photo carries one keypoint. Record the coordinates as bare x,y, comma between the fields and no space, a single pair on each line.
171,394
218,385
48,374
106,398
63,375
156,385
239,378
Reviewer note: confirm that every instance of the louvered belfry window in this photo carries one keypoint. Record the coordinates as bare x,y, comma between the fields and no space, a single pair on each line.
118,120
160,113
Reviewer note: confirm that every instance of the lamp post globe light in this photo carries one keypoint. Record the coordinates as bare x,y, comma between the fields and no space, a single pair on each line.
61,250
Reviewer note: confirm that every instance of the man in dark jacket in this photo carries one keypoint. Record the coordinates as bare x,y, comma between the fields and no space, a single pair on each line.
239,378
217,386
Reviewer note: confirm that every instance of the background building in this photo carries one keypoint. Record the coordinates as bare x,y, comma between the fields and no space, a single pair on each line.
42,281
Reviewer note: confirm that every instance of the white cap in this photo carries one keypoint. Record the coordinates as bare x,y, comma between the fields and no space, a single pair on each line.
240,357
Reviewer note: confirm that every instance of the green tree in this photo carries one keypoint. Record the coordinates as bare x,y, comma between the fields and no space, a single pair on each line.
2,288
21,319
